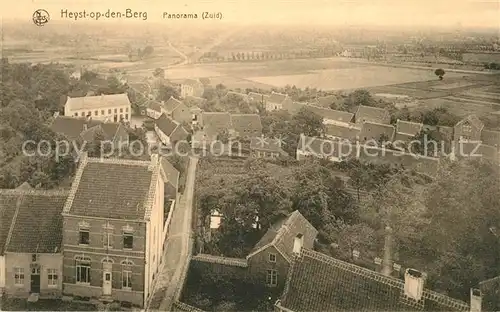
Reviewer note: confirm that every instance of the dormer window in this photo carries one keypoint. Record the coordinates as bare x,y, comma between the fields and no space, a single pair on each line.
272,257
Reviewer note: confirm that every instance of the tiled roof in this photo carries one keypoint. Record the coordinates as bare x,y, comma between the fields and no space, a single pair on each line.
490,137
166,124
99,101
72,127
372,114
317,282
170,171
330,114
243,123
113,188
343,131
171,104
408,127
254,96
216,120
266,144
221,260
325,101
477,149
281,234
8,205
374,131
109,131
204,81
37,225
277,98
474,120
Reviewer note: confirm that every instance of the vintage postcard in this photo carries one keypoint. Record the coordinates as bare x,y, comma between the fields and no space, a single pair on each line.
250,155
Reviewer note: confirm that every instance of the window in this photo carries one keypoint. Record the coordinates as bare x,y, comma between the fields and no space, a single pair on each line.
121,110
126,116
83,270
107,238
467,128
116,111
96,113
89,113
127,274
272,278
128,240
19,276
109,111
76,114
102,112
272,257
52,277
126,109
34,258
84,238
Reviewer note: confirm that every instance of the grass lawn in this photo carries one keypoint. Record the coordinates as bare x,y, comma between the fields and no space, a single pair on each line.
14,304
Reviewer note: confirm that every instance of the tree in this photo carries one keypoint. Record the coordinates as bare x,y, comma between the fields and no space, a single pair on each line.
307,123
148,51
166,92
223,136
159,72
440,73
358,97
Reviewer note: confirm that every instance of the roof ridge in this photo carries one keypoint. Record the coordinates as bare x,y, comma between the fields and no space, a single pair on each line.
409,121
378,123
34,192
76,181
148,203
285,227
353,268
13,222
119,161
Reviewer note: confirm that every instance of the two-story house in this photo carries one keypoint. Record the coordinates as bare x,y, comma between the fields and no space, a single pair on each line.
468,129
177,110
277,101
113,233
112,107
192,87
273,254
169,131
31,235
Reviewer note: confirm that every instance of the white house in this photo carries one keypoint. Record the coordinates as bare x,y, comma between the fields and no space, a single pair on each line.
113,107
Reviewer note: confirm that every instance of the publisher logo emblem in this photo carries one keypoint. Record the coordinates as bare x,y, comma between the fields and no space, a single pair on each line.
41,17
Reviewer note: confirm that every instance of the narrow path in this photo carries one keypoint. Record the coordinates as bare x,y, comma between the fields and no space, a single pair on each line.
177,248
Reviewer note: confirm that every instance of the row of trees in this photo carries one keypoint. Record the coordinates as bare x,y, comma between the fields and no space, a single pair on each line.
268,55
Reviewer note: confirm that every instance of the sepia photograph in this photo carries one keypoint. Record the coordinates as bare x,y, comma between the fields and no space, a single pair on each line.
250,155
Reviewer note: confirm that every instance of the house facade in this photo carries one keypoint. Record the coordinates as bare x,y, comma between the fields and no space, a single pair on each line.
468,129
113,107
277,101
154,109
192,87
261,147
169,131
32,257
272,255
113,230
177,110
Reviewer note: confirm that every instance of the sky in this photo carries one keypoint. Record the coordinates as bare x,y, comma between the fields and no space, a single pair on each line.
447,13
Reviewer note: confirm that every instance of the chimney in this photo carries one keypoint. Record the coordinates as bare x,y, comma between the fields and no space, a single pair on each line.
387,262
475,300
414,284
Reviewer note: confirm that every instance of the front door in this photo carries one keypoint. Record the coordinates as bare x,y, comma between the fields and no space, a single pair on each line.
106,282
35,280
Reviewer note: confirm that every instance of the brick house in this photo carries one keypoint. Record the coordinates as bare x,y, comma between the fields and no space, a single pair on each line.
277,101
406,130
317,282
373,131
273,254
32,247
113,234
468,129
154,109
246,125
169,131
177,111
